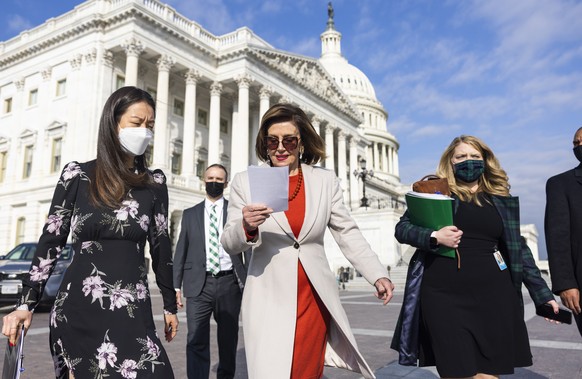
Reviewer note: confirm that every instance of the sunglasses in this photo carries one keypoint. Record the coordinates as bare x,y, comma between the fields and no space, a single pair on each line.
289,143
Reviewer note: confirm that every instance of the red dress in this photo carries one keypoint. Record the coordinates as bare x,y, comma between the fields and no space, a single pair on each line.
312,316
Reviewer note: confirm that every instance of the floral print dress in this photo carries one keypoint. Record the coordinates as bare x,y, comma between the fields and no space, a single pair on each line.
101,324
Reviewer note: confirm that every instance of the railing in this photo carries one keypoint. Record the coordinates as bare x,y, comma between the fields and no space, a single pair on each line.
162,10
178,180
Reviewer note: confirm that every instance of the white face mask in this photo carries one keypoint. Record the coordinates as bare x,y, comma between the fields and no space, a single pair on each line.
135,140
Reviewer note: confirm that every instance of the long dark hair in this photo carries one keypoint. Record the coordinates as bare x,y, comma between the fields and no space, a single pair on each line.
313,144
112,178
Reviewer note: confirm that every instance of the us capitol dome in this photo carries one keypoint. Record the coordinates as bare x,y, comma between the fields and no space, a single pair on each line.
382,154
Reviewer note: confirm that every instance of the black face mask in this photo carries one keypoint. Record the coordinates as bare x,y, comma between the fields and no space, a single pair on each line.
578,152
470,170
214,189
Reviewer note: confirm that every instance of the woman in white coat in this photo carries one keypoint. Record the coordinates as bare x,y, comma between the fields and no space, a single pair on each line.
293,321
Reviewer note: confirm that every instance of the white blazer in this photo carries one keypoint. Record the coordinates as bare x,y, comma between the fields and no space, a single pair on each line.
269,304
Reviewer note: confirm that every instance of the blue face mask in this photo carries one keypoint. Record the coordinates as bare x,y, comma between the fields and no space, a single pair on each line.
470,170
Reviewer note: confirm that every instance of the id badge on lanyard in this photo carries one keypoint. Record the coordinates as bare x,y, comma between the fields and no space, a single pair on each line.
499,259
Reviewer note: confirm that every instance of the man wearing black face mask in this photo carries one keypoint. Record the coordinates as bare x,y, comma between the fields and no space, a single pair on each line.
563,227
211,279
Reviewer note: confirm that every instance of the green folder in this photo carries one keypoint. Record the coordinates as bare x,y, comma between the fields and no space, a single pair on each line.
432,211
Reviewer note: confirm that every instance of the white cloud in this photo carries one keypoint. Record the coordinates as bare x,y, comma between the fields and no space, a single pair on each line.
434,130
433,100
17,23
307,46
530,30
402,125
271,6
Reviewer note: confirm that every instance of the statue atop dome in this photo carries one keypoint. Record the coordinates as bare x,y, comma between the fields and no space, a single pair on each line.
330,23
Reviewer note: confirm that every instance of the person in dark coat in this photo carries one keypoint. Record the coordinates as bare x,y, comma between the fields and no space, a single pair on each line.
563,227
212,280
465,314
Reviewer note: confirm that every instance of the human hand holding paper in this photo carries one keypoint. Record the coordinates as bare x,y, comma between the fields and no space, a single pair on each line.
269,187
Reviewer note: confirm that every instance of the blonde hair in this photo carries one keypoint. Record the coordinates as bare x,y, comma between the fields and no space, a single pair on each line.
494,180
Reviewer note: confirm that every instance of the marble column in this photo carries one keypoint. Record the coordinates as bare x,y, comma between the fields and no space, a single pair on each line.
214,124
265,100
75,90
103,89
254,130
106,86
369,156
330,160
133,48
161,140
384,157
316,122
342,161
390,160
354,192
90,91
376,163
189,136
240,132
396,171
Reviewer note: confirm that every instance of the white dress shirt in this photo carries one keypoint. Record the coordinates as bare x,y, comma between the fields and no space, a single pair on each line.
225,261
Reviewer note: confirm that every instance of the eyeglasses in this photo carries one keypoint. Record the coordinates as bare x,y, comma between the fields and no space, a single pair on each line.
289,143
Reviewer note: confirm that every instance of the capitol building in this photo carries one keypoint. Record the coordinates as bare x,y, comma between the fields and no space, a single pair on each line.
211,92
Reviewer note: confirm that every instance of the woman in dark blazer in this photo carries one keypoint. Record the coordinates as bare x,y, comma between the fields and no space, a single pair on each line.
465,315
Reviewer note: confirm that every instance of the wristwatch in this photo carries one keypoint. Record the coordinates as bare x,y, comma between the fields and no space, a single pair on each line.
434,243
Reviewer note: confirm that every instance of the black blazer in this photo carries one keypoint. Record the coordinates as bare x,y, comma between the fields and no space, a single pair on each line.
563,227
190,254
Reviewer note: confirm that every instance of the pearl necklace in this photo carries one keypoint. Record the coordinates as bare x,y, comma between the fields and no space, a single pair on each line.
298,186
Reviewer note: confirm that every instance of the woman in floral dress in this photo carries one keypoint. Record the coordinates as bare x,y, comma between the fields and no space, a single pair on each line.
101,324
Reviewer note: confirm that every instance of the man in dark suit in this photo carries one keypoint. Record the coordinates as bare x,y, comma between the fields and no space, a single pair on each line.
211,279
563,227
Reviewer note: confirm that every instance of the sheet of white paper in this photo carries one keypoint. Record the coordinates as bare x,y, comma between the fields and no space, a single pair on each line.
270,186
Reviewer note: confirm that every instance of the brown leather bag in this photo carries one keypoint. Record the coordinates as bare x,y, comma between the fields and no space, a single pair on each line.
432,184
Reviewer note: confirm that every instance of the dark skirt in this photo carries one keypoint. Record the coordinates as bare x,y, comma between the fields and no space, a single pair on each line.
472,317
102,323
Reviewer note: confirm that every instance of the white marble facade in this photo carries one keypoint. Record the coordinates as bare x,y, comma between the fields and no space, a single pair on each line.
210,91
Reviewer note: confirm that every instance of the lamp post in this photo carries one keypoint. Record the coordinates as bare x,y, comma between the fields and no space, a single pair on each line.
364,175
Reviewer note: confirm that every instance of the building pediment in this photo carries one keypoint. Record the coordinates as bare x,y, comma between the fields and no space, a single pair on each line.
56,128
27,137
309,74
27,133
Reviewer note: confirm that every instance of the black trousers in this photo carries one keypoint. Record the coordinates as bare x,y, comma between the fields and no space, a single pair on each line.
221,298
578,319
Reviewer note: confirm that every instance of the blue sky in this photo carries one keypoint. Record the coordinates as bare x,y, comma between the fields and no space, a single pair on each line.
509,72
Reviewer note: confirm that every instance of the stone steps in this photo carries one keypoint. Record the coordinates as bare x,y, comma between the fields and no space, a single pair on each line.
397,276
